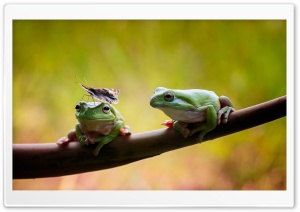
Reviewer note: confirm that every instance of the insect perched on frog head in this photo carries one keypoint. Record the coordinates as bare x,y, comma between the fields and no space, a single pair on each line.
102,94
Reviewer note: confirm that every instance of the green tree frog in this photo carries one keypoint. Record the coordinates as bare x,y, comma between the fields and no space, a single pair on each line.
98,122
192,110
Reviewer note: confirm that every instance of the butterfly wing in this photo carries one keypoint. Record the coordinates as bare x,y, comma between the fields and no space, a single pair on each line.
103,94
110,95
114,95
87,89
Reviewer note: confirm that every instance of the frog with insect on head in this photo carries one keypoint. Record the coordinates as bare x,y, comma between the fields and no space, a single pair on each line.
98,123
201,109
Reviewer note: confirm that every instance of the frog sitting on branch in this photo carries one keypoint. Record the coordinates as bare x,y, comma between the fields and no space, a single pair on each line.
98,122
192,110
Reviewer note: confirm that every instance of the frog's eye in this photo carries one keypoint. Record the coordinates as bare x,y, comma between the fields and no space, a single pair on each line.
77,108
105,109
169,97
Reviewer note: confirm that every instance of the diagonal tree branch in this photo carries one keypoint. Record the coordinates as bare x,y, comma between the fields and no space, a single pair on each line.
50,160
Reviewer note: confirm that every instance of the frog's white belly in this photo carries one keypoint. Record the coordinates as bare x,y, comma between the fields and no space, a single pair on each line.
96,127
188,116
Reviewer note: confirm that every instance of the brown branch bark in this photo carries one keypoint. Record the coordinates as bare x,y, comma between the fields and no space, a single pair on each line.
50,160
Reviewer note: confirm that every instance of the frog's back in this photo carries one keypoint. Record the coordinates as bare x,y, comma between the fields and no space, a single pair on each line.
200,97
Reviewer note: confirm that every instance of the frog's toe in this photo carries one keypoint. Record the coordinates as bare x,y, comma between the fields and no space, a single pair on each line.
224,120
219,120
224,113
97,149
96,152
167,123
219,115
125,131
199,140
62,141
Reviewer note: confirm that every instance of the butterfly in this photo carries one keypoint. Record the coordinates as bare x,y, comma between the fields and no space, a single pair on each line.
103,94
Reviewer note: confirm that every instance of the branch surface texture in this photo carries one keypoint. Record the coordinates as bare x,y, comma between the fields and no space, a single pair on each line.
51,160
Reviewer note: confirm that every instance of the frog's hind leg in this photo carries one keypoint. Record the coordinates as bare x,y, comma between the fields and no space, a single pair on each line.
181,127
98,148
226,109
209,125
101,144
225,101
200,127
106,139
224,113
203,130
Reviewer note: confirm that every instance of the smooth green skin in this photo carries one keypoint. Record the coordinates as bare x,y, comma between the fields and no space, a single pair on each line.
96,126
202,107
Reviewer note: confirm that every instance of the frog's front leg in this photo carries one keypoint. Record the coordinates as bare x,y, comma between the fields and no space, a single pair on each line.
209,124
226,109
83,140
108,138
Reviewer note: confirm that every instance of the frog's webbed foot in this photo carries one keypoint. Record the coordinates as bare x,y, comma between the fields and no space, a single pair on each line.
63,140
223,114
125,131
71,137
226,109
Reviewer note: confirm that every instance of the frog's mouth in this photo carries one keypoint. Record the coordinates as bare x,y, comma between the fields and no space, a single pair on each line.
101,126
174,105
95,120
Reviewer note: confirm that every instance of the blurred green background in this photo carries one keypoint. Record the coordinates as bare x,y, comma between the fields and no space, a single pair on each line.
244,60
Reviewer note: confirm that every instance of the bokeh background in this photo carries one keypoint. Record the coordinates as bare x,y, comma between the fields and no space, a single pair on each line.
242,59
